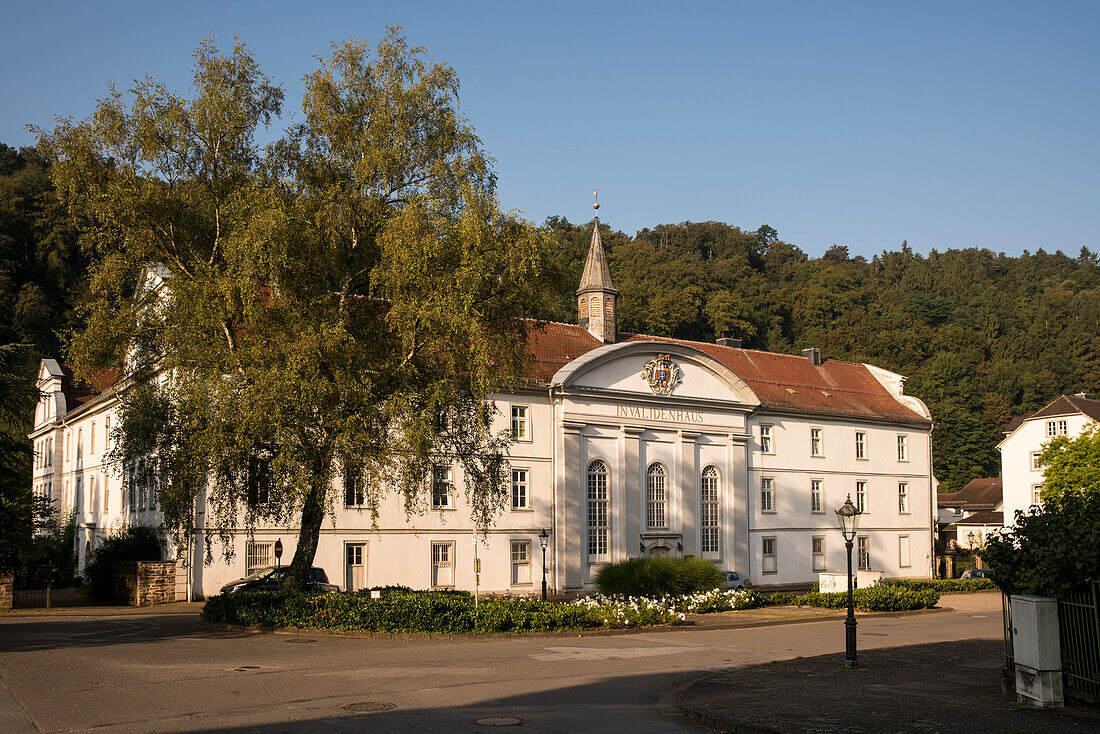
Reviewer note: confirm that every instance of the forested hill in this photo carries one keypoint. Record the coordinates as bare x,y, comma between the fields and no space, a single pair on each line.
981,336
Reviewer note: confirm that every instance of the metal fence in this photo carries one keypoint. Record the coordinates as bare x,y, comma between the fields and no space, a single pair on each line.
30,598
1079,628
1079,631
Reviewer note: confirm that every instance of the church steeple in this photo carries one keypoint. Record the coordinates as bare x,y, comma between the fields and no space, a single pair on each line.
596,296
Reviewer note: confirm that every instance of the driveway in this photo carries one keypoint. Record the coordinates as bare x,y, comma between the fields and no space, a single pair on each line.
166,672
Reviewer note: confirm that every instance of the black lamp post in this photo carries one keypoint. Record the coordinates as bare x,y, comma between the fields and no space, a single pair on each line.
848,515
544,536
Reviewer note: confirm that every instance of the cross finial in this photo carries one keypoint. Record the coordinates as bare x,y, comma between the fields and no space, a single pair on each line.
596,205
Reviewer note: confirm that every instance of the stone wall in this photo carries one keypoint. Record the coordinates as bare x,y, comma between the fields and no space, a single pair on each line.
6,592
145,583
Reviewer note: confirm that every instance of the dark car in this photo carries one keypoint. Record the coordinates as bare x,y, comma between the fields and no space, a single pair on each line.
271,578
977,573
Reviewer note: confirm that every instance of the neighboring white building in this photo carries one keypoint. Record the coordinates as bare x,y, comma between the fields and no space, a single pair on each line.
626,445
969,516
1020,473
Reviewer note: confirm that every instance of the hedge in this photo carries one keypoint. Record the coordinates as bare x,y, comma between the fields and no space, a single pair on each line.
877,598
943,585
423,611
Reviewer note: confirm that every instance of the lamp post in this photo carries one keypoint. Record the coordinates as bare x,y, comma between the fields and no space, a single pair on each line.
848,516
544,536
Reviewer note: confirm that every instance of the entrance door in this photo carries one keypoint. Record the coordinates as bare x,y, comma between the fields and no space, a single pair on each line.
355,568
659,551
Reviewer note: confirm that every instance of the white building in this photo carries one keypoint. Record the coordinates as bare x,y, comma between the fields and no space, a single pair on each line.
626,445
969,516
1021,475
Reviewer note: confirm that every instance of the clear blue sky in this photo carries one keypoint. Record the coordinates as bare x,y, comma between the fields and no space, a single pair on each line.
951,124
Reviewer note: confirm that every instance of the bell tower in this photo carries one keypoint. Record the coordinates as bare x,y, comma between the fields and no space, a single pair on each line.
597,299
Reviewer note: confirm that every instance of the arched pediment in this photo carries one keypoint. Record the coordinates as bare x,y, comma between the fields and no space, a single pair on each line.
622,368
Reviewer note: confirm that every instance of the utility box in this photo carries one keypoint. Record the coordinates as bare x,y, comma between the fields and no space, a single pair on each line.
1037,651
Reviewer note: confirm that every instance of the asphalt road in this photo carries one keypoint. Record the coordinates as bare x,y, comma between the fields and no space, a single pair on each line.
157,672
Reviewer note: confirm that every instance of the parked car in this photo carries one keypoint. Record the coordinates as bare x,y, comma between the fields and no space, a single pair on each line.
270,578
734,580
977,573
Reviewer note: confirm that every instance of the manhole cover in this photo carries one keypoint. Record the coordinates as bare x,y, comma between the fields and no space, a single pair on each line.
500,721
367,707
300,641
244,668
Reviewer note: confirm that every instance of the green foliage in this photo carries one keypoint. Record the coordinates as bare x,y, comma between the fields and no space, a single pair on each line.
943,585
883,597
657,577
135,543
17,509
1071,466
396,611
343,303
55,541
1051,550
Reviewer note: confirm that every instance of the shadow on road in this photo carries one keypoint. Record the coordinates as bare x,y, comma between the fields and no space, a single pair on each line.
28,633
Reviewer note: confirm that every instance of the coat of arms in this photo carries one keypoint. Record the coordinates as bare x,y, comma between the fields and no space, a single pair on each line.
662,374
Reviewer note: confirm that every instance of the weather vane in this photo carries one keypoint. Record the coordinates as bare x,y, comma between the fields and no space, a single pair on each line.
596,193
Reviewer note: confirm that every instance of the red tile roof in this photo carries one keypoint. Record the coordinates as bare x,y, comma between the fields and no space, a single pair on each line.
80,391
781,381
1069,404
978,494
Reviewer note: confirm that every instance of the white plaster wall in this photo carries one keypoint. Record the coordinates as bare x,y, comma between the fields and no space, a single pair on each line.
1017,476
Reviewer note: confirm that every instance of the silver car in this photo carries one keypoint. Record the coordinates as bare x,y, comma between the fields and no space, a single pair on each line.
734,580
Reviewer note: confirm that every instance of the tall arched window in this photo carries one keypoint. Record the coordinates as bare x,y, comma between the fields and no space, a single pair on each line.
608,307
594,306
709,517
583,307
597,509
655,496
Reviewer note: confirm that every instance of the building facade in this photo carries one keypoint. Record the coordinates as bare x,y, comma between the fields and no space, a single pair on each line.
625,445
1021,474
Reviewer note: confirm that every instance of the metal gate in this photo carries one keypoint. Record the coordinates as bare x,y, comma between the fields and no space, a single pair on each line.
1079,628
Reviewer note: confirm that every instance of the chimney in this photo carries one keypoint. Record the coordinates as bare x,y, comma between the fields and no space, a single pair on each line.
735,343
814,355
1082,396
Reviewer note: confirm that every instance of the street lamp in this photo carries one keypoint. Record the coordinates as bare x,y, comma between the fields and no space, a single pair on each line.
544,536
972,539
848,516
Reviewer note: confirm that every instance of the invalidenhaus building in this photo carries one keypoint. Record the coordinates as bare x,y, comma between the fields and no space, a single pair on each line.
625,445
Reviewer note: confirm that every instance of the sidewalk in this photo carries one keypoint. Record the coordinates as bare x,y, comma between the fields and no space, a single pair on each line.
942,687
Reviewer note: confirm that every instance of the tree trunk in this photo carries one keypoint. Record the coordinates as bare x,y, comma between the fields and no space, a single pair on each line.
313,514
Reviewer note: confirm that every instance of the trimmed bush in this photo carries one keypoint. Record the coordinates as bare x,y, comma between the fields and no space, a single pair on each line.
943,585
396,611
135,543
878,598
658,577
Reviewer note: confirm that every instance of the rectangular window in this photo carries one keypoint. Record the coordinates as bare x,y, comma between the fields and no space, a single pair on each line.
815,495
903,497
815,442
766,446
819,553
597,511
1052,429
767,503
709,505
257,556
861,445
521,562
903,448
861,496
443,570
1035,460
354,491
655,497
767,551
519,489
106,493
1063,428
903,551
441,488
107,433
91,447
863,545
521,430
1035,490
67,435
